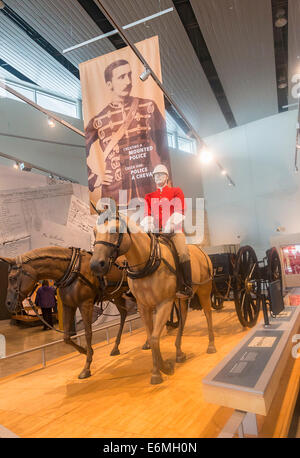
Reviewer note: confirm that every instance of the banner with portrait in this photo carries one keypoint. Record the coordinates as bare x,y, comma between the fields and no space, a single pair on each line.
124,120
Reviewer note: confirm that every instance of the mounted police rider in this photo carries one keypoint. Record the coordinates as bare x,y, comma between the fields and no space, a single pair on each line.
164,213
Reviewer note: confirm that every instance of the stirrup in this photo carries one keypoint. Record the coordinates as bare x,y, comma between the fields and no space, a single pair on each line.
185,293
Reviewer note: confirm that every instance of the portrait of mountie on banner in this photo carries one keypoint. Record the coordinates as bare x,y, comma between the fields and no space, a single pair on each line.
131,134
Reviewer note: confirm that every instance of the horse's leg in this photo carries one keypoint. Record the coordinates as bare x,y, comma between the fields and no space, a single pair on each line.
182,308
120,303
147,317
68,321
205,300
162,314
86,310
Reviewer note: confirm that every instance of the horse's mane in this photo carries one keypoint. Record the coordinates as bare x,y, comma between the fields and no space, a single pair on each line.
46,252
133,227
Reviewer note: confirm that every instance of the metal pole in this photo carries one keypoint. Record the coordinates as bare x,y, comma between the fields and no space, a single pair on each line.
145,63
41,109
55,174
114,32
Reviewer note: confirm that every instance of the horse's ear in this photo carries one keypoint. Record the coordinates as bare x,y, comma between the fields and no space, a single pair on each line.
10,261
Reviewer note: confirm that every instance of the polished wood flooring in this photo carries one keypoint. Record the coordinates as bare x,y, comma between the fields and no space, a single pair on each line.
118,400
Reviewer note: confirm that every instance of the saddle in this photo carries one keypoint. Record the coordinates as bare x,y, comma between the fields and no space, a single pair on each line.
167,241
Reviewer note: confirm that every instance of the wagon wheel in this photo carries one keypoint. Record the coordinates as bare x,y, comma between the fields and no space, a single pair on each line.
274,266
247,287
217,302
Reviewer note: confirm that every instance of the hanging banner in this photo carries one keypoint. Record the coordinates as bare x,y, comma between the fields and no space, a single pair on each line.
124,121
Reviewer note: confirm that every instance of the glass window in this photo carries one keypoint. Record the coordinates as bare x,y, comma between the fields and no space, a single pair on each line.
171,140
185,145
55,104
29,93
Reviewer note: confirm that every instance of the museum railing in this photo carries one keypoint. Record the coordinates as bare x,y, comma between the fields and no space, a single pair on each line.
43,348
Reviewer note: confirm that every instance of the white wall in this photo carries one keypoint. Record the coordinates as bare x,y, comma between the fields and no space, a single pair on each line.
21,120
186,173
259,157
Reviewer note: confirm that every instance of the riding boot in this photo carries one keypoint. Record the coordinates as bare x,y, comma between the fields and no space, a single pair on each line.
185,290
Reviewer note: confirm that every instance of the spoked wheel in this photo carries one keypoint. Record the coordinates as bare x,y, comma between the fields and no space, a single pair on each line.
247,289
274,266
217,301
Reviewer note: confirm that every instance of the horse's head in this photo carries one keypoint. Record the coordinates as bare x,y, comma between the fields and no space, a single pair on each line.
21,282
112,239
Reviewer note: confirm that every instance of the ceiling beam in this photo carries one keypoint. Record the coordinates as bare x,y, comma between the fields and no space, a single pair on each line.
189,21
100,20
280,35
39,39
13,71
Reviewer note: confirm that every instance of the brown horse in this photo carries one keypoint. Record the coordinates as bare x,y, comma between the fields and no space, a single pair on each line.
152,281
78,288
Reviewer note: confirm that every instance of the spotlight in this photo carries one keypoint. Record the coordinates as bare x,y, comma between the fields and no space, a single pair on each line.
16,165
206,156
51,123
282,83
24,167
2,5
223,172
281,20
145,74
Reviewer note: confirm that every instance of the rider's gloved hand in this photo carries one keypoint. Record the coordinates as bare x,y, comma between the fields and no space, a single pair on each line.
174,223
147,224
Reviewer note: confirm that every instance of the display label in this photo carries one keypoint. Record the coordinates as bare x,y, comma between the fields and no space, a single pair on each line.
2,346
262,342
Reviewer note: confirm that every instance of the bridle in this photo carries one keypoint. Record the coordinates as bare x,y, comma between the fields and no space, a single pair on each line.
115,252
150,266
21,271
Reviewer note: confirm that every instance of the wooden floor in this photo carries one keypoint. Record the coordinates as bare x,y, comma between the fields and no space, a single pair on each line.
118,400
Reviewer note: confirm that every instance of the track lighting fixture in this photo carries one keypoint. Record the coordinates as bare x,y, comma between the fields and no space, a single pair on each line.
145,74
281,20
51,123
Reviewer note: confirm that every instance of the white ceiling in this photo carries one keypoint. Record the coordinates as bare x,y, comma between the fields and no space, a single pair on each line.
238,34
240,41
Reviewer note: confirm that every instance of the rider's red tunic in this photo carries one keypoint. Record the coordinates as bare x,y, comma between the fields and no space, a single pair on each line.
158,204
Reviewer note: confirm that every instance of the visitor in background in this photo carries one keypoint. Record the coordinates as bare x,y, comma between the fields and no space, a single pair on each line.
46,300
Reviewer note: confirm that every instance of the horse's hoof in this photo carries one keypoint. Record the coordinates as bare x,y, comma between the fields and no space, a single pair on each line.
146,346
181,358
84,374
211,349
115,352
168,368
156,379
